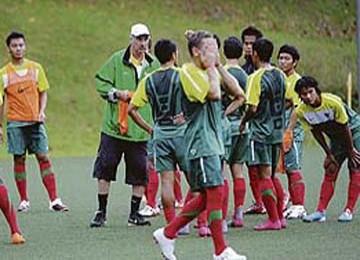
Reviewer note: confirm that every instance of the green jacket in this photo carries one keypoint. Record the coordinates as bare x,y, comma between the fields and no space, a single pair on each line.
119,73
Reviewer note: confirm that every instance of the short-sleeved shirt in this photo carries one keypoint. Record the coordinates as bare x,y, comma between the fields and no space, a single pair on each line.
203,134
266,90
291,95
327,116
235,117
162,89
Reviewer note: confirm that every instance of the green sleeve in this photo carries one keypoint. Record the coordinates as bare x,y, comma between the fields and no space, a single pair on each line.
105,77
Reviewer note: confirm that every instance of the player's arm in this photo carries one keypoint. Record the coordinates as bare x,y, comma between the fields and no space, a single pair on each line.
249,114
214,93
288,133
135,115
253,92
139,100
354,154
105,82
2,118
42,105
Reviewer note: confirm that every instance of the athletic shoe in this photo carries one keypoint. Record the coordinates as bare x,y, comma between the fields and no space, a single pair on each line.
236,223
317,216
204,231
58,206
24,206
295,212
99,219
229,254
167,245
268,225
17,239
149,211
283,223
346,216
138,220
255,209
225,228
185,230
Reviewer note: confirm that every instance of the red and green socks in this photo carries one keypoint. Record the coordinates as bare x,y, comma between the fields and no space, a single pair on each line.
269,198
20,180
8,210
327,191
296,188
48,178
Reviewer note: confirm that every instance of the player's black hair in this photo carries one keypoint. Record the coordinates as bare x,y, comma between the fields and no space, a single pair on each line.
264,49
164,50
251,31
290,49
307,82
14,35
233,48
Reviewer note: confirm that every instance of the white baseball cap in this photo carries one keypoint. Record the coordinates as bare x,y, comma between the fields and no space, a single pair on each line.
139,29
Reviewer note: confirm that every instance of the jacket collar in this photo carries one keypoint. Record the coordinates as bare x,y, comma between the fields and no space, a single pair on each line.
126,57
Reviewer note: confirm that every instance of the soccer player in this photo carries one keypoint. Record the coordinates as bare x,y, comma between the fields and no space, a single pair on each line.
10,215
265,92
288,58
248,36
24,85
237,153
326,115
201,84
162,89
116,82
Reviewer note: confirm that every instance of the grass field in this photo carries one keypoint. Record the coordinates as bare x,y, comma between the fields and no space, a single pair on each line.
67,236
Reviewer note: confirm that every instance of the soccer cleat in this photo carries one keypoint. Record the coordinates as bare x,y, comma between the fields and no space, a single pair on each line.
137,220
317,216
185,230
295,212
167,245
149,211
236,223
24,206
346,216
255,209
225,228
99,219
57,206
17,239
268,225
204,231
229,254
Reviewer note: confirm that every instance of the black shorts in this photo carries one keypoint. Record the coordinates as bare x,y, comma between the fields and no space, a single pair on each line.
109,156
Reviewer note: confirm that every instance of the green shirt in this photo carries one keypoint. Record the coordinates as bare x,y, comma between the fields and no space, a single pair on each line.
234,118
266,90
203,135
119,73
162,89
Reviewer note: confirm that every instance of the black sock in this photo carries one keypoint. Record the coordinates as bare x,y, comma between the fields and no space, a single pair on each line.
135,204
103,198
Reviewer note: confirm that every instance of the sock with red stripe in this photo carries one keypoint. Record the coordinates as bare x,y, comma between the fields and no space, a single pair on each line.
296,188
169,214
327,190
202,219
239,190
48,178
177,186
225,203
353,190
254,184
269,198
152,187
280,197
214,200
20,179
190,211
8,210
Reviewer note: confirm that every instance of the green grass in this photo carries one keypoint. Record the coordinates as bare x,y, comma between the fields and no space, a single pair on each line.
73,38
67,236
